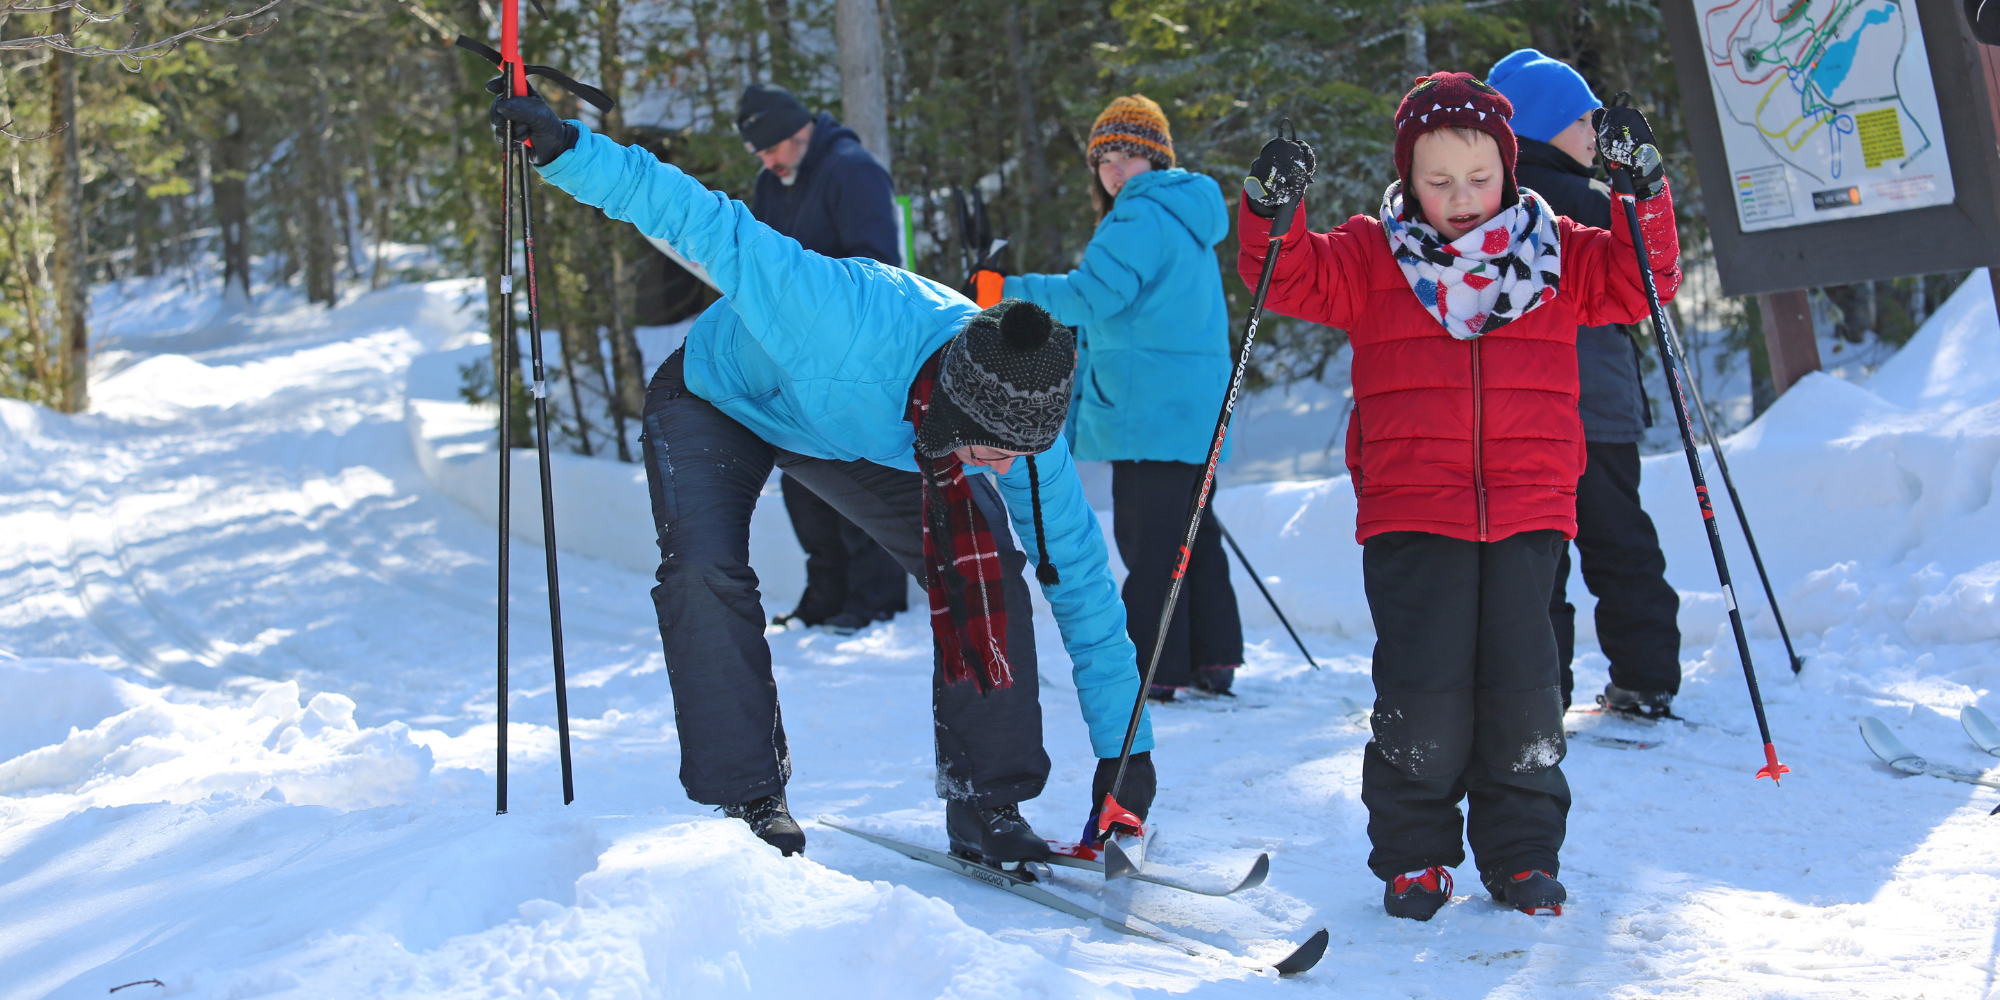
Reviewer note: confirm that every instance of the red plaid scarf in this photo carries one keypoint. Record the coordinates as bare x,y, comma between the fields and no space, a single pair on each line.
961,562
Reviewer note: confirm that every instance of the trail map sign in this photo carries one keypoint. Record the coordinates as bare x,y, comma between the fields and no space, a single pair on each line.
1827,109
1825,152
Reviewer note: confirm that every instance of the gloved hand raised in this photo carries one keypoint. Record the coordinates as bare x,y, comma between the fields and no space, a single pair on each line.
533,120
1280,176
1624,139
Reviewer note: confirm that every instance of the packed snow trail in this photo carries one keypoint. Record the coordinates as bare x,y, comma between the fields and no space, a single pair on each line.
246,727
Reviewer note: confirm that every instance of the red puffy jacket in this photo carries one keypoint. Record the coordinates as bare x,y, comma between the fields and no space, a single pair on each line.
1475,439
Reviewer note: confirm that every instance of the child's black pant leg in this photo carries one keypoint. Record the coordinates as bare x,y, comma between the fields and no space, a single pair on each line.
1518,801
1423,592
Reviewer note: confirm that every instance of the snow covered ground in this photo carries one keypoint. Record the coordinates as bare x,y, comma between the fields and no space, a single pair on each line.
247,722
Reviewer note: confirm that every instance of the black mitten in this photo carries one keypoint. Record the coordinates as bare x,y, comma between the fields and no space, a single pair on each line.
1280,176
533,120
1624,139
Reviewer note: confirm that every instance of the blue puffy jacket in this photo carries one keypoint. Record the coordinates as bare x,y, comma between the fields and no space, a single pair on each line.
816,355
1148,298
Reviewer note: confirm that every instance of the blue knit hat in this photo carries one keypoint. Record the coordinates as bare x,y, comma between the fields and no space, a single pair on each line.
1547,94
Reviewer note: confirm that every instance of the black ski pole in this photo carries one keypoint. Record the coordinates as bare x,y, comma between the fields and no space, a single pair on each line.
503,380
1116,863
1621,182
1259,581
540,392
1735,500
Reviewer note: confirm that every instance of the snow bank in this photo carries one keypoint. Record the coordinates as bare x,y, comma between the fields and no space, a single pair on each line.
602,507
125,744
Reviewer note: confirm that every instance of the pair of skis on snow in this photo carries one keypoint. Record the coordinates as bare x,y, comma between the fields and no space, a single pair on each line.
1084,857
1984,734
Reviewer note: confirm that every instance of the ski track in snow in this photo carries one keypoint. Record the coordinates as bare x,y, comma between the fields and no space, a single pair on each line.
247,728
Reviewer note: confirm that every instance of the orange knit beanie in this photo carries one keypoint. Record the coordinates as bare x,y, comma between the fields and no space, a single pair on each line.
1134,125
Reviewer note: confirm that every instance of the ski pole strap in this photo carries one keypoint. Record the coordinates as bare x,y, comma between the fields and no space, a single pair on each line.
584,92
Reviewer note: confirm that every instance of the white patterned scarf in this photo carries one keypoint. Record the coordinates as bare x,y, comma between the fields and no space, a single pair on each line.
1485,279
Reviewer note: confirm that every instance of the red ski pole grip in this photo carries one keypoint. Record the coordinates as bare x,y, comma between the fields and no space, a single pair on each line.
1772,769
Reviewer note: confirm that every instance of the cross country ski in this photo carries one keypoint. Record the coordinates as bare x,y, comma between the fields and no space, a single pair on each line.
1891,750
1023,883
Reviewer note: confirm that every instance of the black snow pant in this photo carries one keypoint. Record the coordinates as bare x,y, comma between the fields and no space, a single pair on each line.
1466,705
1149,508
1637,610
847,573
705,471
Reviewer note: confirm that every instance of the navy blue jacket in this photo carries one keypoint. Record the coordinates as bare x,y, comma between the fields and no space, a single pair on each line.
842,204
1612,400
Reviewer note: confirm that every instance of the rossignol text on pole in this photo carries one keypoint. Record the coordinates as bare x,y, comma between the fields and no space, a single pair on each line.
1625,194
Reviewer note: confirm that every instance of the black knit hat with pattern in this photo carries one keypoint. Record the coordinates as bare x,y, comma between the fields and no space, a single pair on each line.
1005,383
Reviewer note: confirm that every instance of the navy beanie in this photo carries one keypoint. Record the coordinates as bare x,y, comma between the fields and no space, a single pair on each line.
768,114
1546,93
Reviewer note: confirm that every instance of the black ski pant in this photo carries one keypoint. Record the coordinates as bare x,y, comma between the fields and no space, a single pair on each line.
1637,610
1149,509
705,471
1466,705
847,572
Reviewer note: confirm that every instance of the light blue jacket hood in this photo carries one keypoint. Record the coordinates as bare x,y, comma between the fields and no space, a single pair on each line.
1148,299
816,356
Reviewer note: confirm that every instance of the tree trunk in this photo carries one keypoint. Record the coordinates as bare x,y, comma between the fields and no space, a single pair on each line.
1034,218
864,97
628,399
66,205
778,25
321,280
232,211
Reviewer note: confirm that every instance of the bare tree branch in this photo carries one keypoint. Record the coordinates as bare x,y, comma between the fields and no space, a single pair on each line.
131,49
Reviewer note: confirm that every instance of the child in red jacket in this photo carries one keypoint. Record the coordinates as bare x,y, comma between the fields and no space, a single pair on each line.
1461,300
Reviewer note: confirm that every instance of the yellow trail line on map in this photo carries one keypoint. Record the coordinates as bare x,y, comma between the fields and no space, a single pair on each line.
1784,133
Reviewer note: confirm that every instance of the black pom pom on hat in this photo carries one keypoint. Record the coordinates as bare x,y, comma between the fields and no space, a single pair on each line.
1026,326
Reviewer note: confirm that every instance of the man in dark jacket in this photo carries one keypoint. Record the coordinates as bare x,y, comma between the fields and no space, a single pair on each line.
820,187
1622,562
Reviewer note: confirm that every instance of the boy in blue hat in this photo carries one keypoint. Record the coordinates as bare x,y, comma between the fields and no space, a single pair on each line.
1620,551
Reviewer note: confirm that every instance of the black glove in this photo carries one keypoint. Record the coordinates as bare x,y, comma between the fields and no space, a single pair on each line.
1136,795
1625,140
533,120
1280,176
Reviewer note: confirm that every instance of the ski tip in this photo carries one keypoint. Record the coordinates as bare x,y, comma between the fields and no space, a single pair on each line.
1305,956
1259,871
1772,769
1117,864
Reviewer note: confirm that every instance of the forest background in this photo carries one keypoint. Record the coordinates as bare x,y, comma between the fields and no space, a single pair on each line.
297,150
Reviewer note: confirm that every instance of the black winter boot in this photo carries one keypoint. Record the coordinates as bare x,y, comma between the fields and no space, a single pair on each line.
1640,704
1532,892
1417,895
1216,680
771,820
996,836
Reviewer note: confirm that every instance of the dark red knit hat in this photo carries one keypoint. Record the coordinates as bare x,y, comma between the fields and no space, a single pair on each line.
1444,100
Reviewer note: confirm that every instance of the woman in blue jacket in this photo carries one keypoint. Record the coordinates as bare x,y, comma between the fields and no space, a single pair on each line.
882,392
1151,372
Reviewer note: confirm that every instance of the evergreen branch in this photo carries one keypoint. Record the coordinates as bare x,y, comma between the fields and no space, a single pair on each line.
131,50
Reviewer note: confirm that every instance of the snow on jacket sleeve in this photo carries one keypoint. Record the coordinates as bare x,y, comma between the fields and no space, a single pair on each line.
1601,270
1124,254
802,307
1088,611
1321,277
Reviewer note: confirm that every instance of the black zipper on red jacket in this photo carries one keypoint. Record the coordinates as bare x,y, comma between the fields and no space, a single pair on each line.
1478,441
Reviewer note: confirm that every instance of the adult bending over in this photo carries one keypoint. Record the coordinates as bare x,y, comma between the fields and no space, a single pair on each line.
880,391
